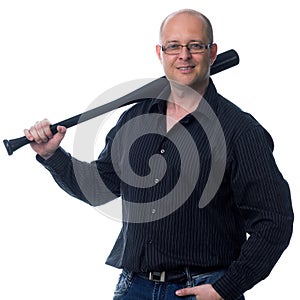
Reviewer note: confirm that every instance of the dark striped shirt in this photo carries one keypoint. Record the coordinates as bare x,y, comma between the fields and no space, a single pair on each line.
191,194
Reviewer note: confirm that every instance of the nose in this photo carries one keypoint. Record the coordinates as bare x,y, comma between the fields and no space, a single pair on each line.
185,53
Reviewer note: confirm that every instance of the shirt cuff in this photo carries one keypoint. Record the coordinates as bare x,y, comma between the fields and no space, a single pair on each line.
227,288
57,163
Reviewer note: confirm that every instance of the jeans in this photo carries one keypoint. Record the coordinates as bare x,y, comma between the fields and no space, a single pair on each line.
133,287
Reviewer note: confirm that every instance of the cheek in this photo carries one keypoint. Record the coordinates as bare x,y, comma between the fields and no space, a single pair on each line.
168,63
204,64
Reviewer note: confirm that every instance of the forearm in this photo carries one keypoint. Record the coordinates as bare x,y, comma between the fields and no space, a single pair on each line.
79,179
268,239
263,199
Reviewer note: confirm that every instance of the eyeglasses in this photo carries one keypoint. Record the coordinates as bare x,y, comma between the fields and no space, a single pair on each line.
193,47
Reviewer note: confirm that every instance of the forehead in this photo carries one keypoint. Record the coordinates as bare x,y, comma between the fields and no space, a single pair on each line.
184,27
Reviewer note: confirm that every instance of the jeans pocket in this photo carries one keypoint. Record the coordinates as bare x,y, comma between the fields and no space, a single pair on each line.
208,278
123,285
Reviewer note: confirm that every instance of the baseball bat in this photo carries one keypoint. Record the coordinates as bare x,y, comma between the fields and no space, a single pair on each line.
223,61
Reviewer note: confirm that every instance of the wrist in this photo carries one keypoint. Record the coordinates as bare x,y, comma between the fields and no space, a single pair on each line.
46,156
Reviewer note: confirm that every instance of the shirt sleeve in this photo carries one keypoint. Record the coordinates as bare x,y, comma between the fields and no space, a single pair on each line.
95,183
263,198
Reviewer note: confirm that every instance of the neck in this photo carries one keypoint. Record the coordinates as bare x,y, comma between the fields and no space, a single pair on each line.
184,98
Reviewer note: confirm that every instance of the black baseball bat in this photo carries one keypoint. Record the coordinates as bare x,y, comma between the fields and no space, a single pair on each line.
223,61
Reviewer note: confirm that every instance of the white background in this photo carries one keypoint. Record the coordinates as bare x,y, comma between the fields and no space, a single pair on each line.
56,57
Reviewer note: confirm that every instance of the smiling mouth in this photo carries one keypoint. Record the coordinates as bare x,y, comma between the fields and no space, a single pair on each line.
188,68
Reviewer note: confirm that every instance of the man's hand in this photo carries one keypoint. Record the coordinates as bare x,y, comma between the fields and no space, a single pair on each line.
202,292
44,143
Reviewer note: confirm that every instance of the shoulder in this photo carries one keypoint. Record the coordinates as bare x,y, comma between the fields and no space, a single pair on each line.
237,124
232,118
140,108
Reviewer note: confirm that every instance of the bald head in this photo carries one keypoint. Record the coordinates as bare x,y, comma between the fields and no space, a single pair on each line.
191,12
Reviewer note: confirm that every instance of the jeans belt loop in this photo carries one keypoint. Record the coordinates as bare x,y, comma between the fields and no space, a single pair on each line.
158,276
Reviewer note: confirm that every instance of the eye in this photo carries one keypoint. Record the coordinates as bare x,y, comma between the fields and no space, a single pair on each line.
196,46
173,46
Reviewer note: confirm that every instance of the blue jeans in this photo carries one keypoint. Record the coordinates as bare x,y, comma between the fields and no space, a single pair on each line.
133,287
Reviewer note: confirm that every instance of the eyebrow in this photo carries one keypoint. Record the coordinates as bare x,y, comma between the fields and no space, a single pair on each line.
190,41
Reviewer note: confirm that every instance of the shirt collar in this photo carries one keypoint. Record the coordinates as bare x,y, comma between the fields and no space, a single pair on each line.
207,106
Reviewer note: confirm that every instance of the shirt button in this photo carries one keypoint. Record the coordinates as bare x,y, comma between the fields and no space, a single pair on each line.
153,211
162,151
156,180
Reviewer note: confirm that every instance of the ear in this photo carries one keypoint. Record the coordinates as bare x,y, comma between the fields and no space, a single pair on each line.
213,53
158,52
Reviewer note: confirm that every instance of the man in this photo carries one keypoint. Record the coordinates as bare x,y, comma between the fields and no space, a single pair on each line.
166,154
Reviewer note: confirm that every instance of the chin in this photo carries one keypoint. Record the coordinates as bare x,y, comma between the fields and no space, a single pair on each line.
184,81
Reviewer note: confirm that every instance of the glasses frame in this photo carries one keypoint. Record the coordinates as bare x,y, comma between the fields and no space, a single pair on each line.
205,47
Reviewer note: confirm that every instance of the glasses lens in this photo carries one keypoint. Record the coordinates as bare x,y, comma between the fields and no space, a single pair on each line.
196,47
193,47
172,48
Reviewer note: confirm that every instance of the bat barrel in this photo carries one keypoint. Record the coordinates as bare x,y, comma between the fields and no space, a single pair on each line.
225,60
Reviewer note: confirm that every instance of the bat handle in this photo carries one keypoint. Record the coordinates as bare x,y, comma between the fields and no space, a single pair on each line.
14,144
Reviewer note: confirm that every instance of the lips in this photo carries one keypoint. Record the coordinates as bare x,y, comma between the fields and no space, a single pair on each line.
185,68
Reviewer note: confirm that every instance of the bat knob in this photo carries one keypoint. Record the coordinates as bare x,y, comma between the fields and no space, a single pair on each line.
14,144
8,147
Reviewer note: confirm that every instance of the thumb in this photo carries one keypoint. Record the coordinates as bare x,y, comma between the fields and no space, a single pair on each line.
61,131
185,292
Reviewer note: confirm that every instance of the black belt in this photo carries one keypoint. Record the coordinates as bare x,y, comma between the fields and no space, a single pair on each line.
175,276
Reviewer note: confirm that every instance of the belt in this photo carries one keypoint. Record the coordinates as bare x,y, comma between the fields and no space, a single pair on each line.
175,276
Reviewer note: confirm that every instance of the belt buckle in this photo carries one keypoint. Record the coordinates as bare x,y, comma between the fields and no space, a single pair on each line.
157,276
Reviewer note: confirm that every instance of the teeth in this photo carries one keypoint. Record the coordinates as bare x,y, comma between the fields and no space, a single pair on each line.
185,68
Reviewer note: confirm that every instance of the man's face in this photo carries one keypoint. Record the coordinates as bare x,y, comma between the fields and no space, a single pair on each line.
186,68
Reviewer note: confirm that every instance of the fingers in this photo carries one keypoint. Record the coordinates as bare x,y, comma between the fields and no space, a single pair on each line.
185,292
40,132
45,143
205,291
